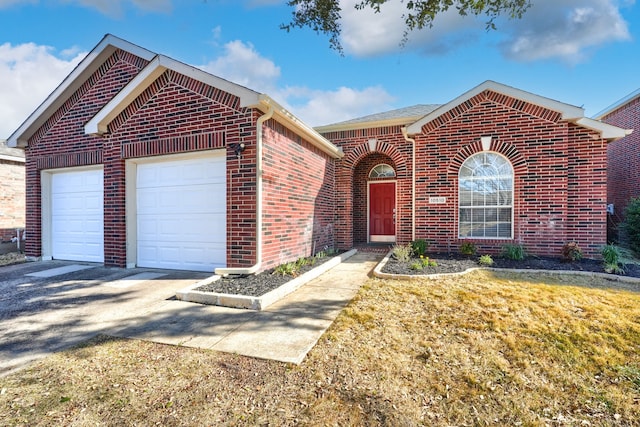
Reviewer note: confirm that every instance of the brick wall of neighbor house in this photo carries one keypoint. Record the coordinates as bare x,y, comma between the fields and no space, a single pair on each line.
623,159
12,200
298,197
559,177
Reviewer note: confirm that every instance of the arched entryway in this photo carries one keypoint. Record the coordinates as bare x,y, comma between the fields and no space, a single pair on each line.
375,210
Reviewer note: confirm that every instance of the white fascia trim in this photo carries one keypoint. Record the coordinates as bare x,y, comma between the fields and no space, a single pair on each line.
608,132
100,122
568,112
12,158
287,118
71,83
620,103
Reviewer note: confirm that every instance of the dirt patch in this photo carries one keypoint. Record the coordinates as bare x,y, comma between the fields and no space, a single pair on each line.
457,263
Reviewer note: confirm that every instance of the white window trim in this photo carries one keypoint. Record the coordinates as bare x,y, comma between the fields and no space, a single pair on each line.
512,206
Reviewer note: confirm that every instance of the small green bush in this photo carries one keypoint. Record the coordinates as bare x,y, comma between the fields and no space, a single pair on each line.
419,247
416,266
287,269
426,262
468,248
514,252
610,254
611,259
631,224
485,260
402,252
571,252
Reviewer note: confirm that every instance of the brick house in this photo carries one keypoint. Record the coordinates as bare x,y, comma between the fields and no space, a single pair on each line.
139,160
623,157
12,188
496,165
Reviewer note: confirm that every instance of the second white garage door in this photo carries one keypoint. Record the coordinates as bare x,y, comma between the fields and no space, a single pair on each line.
181,213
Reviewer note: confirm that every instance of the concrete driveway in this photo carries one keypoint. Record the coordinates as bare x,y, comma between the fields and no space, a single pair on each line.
49,306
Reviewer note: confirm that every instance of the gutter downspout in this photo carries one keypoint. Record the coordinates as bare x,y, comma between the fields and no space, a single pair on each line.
258,264
413,181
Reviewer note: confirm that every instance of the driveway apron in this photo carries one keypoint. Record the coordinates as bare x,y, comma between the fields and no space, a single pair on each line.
49,306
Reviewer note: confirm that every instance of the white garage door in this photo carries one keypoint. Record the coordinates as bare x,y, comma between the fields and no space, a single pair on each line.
181,213
77,215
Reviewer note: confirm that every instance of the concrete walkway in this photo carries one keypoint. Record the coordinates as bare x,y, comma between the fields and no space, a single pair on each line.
40,314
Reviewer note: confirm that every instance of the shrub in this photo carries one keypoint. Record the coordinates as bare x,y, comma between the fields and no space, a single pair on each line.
426,262
631,224
611,259
485,260
514,252
288,269
402,252
416,266
571,252
468,248
419,247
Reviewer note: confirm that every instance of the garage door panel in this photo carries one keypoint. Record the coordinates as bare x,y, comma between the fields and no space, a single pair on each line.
77,226
181,213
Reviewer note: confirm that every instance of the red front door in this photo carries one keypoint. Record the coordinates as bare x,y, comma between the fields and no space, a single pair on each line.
382,212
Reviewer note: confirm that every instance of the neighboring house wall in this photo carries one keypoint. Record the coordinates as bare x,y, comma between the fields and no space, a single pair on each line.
12,193
560,182
623,160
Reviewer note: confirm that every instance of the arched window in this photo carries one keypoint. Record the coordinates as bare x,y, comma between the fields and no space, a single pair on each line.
382,170
485,185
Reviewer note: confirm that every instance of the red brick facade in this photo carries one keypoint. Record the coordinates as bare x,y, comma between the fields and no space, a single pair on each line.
623,160
559,168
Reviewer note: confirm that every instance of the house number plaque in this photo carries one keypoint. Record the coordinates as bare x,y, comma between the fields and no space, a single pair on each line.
437,200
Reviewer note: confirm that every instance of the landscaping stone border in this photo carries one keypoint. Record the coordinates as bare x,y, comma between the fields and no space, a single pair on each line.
377,272
189,293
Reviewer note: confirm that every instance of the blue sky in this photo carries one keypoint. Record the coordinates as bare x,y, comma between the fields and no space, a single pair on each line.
584,53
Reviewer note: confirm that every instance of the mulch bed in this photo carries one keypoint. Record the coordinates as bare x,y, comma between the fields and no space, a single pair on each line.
256,284
457,263
259,284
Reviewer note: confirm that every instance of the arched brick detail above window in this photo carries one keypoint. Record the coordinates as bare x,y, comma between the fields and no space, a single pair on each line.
517,160
357,154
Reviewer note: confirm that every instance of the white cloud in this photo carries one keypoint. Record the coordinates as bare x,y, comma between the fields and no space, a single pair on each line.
317,107
562,29
243,65
7,3
23,85
114,7
366,33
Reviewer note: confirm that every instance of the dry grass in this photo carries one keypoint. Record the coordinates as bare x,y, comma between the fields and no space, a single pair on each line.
11,258
485,349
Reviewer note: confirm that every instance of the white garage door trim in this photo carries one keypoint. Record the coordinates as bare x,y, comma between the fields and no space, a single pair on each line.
207,248
87,214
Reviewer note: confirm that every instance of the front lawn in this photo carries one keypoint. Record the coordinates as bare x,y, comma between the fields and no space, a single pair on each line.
488,348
